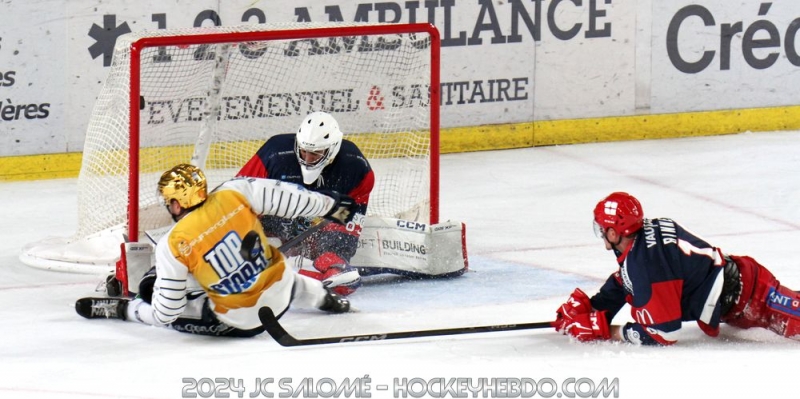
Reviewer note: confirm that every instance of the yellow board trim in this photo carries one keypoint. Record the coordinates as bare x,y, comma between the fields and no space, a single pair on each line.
38,167
513,135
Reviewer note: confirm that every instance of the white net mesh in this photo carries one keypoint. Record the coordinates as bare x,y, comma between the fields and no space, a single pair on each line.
214,95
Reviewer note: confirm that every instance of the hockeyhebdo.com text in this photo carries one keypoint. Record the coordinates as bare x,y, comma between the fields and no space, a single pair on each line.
365,387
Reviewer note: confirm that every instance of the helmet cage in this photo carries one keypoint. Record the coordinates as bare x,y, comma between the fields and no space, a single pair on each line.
323,154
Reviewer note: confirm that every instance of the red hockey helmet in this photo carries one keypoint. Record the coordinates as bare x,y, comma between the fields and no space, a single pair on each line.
621,211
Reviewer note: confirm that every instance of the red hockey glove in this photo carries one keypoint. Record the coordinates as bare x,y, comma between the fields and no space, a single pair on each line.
585,327
577,303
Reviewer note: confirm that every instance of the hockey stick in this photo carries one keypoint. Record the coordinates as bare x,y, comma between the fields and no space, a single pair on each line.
280,335
302,236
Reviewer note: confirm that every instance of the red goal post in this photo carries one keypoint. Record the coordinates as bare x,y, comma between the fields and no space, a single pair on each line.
212,96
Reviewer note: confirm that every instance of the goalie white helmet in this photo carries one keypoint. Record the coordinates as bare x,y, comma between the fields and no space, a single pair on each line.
317,142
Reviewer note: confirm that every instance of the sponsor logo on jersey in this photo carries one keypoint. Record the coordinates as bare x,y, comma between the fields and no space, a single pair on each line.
184,248
221,222
236,274
642,316
783,303
290,177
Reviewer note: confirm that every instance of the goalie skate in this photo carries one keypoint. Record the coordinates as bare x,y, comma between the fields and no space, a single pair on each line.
111,286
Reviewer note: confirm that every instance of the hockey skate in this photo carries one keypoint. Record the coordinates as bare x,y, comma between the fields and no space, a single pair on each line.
98,308
335,303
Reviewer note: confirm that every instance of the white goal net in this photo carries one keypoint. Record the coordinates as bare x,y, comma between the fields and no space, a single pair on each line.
213,96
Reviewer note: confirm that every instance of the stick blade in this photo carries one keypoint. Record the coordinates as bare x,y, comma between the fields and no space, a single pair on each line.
274,328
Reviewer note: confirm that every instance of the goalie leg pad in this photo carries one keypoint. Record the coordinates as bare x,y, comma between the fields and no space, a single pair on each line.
411,249
135,260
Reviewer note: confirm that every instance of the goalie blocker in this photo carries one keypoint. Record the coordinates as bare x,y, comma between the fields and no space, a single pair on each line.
386,246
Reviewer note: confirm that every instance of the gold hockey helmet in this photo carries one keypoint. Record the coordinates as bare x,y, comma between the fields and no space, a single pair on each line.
184,183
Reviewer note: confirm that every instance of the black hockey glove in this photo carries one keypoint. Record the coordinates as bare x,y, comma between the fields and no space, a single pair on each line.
251,248
344,208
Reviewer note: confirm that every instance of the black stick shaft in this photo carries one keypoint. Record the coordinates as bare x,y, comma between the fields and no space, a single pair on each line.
280,335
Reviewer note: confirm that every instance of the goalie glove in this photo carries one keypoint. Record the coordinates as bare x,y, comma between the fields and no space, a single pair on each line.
336,275
344,208
585,327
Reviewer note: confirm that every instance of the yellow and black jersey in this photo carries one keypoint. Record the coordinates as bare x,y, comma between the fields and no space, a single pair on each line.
208,241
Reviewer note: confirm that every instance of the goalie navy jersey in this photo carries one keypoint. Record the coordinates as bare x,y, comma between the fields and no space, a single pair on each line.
349,173
668,275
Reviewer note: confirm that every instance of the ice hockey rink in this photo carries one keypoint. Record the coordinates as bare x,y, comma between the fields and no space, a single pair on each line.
529,234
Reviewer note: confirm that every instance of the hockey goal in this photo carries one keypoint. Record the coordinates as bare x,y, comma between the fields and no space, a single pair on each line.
212,96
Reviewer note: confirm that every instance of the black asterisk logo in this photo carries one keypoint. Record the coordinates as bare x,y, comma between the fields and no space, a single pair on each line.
106,37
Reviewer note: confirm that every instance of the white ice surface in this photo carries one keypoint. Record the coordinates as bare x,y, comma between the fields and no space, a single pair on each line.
528,215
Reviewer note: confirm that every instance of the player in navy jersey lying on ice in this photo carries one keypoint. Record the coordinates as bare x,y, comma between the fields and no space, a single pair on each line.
212,273
669,275
318,158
